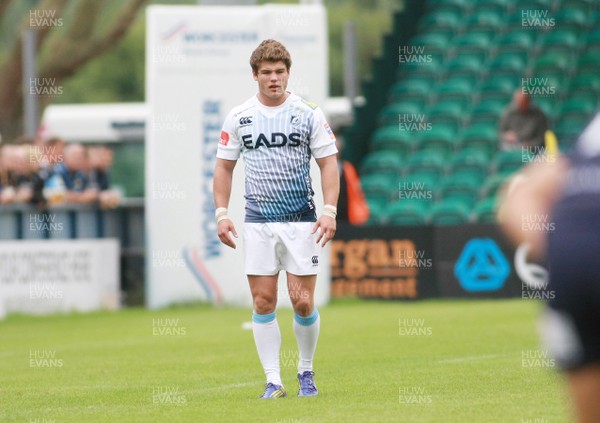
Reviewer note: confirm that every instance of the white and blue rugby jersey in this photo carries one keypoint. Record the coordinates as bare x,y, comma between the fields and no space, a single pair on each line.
277,143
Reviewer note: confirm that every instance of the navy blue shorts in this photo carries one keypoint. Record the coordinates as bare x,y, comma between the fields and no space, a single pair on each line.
570,327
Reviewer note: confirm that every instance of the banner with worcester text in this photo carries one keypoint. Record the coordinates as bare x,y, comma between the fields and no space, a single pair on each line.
198,69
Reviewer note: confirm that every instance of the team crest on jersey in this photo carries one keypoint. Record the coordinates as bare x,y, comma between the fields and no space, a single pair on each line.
295,120
245,120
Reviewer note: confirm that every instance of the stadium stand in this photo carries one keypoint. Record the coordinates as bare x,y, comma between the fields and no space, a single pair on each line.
434,127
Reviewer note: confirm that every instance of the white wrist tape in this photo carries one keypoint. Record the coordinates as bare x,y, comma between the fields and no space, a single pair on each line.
222,217
220,211
330,214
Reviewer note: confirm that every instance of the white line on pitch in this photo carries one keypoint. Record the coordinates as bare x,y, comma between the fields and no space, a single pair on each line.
222,387
472,358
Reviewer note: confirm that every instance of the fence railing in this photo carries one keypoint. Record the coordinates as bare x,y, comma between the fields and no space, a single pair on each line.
77,221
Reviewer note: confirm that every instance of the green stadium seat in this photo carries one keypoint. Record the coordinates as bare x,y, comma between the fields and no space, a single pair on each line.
497,6
499,88
589,62
564,39
379,188
579,3
456,88
493,183
458,5
427,161
510,161
489,107
593,38
568,130
443,18
389,115
415,78
573,17
516,41
486,210
411,89
446,32
480,136
549,106
420,186
465,64
579,107
441,138
449,212
595,49
486,18
461,187
552,62
376,205
403,212
414,66
473,41
377,214
509,62
585,82
470,161
391,138
382,162
432,43
545,83
447,112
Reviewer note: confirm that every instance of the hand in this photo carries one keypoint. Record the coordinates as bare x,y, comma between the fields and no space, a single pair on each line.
327,225
223,228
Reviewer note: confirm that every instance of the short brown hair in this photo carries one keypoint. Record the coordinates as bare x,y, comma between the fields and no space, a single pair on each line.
270,51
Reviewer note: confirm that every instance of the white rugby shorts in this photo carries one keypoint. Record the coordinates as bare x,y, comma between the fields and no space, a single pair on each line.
274,246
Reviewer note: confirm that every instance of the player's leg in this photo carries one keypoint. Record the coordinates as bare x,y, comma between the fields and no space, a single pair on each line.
568,325
307,325
584,384
301,262
262,270
265,328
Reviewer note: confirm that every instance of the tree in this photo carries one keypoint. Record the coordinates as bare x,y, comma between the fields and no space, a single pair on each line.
69,35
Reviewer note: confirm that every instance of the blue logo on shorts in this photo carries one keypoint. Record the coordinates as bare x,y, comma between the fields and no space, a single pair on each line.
315,260
481,266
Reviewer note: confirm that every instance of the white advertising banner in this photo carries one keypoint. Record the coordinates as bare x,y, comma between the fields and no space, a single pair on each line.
197,69
41,277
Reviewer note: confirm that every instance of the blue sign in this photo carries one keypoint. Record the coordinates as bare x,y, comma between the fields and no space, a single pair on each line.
481,266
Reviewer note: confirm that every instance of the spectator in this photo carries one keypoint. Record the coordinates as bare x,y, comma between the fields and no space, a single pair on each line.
101,158
352,206
7,195
522,124
70,177
53,152
35,177
15,169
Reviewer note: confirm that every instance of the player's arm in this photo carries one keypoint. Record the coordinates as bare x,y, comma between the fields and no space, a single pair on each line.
330,183
531,192
221,192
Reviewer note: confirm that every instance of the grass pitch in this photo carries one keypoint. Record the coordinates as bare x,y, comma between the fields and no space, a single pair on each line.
433,361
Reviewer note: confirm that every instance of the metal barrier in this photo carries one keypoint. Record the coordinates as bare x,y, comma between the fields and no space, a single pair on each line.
77,221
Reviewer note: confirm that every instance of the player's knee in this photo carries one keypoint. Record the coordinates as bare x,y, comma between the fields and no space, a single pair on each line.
264,304
303,306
